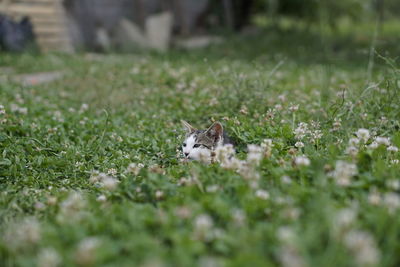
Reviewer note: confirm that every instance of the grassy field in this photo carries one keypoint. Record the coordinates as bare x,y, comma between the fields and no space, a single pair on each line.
90,172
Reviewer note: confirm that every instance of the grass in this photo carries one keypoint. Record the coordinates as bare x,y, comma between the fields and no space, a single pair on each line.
56,209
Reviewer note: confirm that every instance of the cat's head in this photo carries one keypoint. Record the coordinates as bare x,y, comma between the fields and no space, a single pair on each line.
199,144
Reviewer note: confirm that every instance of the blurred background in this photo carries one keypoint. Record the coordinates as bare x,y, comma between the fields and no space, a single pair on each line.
129,25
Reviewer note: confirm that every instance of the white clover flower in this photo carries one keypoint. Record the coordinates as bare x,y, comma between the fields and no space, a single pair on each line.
224,153
395,161
345,217
382,140
352,151
262,194
301,161
286,234
373,145
392,148
101,198
344,172
299,144
363,247
112,171
159,194
393,184
286,179
293,108
2,110
354,141
86,251
72,207
363,134
23,233
301,131
203,222
134,168
48,257
391,201
109,183
374,198
254,155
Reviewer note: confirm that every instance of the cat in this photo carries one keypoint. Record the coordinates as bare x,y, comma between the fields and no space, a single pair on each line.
200,144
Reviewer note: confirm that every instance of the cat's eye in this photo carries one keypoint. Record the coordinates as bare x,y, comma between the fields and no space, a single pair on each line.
184,144
196,145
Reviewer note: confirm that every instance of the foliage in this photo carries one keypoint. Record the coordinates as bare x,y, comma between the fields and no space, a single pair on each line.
89,173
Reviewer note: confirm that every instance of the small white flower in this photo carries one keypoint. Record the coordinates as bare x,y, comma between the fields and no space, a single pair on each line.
352,151
101,198
363,134
354,141
299,144
363,247
135,168
86,251
373,145
391,201
203,222
262,194
301,161
286,179
393,184
159,194
392,149
48,257
255,154
344,172
382,141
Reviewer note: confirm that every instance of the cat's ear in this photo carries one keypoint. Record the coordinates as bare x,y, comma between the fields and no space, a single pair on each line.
215,131
189,128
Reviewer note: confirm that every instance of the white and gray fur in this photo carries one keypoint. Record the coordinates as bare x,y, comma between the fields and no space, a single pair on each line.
200,144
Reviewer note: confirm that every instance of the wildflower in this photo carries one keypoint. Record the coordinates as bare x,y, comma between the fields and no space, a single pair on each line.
373,145
48,257
294,108
22,234
134,168
382,141
392,149
267,146
159,194
286,179
83,108
344,218
301,161
262,194
344,172
109,182
224,153
112,171
363,247
239,217
101,198
72,207
86,251
337,123
374,198
393,184
354,141
255,154
391,201
352,151
395,161
301,131
299,144
203,222
2,110
363,134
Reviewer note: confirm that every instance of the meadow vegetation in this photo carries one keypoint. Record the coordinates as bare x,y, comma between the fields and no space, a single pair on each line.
90,170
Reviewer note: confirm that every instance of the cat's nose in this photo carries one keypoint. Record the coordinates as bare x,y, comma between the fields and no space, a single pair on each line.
186,154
